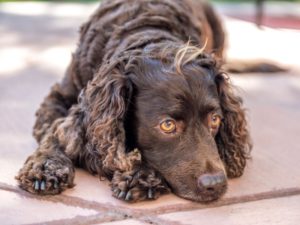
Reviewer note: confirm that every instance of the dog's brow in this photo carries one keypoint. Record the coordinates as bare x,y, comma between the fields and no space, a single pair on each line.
176,111
210,105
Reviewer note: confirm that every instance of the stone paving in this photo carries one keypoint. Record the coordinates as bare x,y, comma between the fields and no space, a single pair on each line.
35,47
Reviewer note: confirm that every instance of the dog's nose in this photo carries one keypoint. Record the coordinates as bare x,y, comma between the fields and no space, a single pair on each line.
212,182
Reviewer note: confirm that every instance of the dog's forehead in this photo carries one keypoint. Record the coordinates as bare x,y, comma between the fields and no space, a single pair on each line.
192,91
200,91
196,83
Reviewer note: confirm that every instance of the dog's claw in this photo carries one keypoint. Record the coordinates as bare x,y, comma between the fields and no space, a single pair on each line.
55,184
128,180
36,185
43,186
128,196
150,193
122,194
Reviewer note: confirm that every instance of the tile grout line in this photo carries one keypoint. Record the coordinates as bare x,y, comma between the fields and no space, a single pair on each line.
288,192
155,220
99,218
83,220
139,213
111,213
68,201
105,213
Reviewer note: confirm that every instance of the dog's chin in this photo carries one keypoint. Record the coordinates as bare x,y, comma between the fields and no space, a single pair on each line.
202,197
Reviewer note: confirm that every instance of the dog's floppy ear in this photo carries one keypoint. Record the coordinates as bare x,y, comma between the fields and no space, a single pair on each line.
106,100
233,138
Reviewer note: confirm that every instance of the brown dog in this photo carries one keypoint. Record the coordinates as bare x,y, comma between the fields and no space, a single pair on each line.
143,108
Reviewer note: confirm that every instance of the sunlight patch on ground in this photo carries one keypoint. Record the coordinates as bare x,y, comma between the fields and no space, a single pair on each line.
14,59
51,9
246,41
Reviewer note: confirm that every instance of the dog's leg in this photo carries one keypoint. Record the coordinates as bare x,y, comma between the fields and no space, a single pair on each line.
137,185
58,102
53,107
50,170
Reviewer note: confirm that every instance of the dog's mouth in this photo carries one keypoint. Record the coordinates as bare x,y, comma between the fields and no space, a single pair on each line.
203,197
194,192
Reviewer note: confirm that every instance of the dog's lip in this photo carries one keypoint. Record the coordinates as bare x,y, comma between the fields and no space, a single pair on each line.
203,197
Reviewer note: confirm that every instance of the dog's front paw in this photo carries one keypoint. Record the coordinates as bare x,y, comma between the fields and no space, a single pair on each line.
138,185
45,175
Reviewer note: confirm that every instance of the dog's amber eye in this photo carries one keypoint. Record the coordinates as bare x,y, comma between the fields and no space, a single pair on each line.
215,121
168,126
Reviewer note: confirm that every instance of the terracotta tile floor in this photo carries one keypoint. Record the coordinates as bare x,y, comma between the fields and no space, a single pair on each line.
35,48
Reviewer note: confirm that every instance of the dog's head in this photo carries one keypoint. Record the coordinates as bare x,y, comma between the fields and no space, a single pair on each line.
178,109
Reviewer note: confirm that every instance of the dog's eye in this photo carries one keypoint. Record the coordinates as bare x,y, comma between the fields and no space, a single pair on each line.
215,121
168,126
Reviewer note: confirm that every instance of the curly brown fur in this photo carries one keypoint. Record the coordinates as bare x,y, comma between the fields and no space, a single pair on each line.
130,69
233,140
140,184
49,170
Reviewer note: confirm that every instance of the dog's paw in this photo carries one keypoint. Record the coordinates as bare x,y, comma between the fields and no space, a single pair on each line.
46,174
138,185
